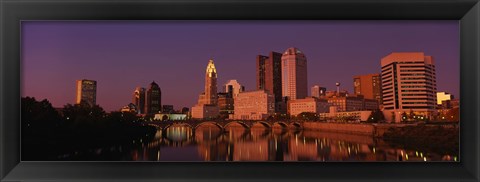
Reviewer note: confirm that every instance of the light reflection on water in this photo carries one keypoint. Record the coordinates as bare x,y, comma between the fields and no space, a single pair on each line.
210,143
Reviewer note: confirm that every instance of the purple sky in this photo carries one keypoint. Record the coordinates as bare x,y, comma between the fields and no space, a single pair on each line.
121,55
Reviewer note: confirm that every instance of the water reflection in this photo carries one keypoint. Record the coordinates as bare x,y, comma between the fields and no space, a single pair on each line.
210,143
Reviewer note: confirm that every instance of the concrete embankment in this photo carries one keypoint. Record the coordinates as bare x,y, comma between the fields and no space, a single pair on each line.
376,130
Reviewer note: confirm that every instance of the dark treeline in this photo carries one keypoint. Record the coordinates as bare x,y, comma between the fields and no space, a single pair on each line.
47,132
429,138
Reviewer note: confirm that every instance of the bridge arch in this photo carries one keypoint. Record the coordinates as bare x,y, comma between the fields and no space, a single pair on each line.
281,123
209,122
178,124
296,125
178,133
239,122
263,123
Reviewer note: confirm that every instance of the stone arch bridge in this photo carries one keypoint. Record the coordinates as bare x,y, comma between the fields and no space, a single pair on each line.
223,124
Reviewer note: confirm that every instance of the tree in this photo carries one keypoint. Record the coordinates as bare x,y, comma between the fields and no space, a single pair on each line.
453,114
281,117
38,115
411,115
164,118
83,112
308,116
405,117
376,116
122,118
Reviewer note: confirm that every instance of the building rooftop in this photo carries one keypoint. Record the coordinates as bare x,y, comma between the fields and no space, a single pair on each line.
293,51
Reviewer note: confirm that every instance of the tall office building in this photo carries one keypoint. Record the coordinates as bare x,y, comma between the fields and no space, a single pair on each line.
207,106
139,99
318,91
86,92
153,99
294,74
233,88
408,84
369,86
211,84
269,74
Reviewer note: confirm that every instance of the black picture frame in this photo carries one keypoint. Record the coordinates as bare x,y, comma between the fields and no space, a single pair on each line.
14,11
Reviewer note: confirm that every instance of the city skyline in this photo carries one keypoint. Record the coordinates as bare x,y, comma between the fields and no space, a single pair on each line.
107,52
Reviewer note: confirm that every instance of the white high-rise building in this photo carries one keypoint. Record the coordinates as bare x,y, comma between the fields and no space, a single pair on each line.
408,85
294,74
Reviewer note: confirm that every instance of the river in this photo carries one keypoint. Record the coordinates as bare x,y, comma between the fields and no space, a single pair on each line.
209,143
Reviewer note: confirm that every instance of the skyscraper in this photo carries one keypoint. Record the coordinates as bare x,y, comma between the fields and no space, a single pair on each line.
269,74
211,84
294,74
139,99
318,91
408,85
207,106
369,86
86,92
153,99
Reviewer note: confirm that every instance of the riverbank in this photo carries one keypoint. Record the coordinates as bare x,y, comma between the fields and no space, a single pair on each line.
362,129
66,140
432,138
372,129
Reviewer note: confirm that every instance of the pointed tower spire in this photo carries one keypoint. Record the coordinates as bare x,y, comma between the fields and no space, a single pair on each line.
211,83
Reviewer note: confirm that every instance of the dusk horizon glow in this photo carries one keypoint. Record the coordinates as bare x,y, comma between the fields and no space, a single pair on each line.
122,55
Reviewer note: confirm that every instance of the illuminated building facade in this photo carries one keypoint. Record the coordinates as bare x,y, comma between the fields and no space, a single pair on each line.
153,99
205,111
408,84
334,93
207,106
233,88
294,74
443,96
337,116
369,86
347,103
254,105
86,92
211,84
318,92
309,104
370,104
139,99
446,101
129,108
225,104
172,117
